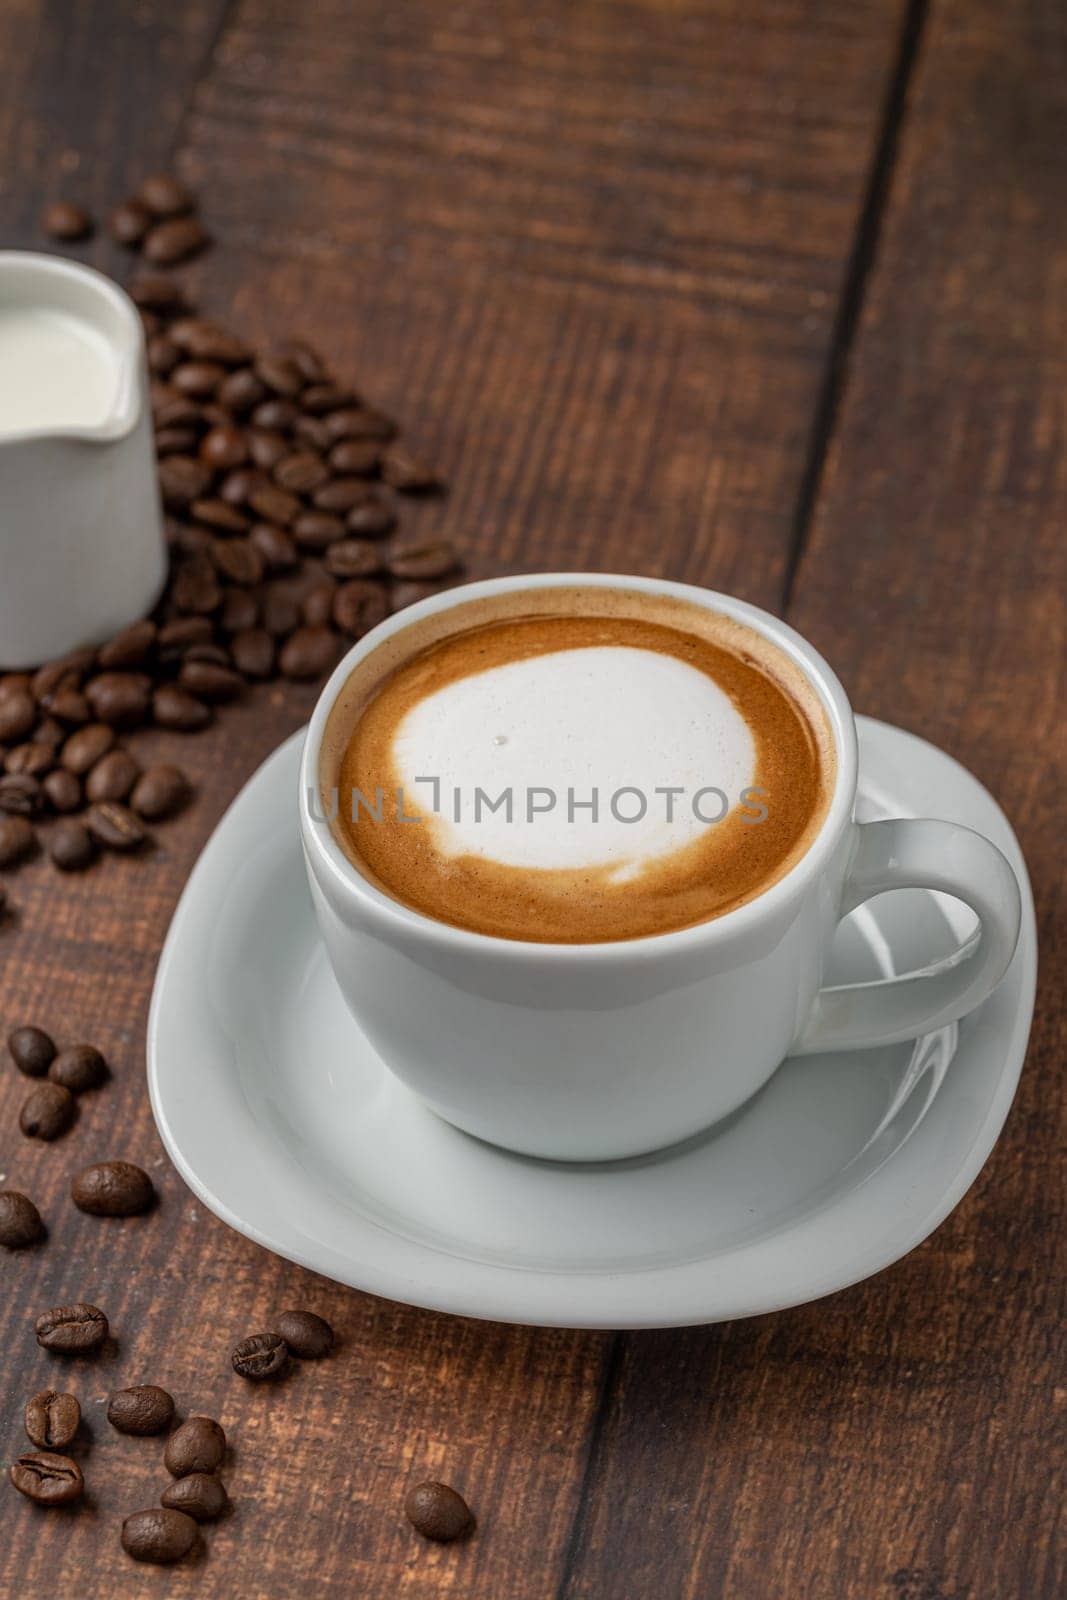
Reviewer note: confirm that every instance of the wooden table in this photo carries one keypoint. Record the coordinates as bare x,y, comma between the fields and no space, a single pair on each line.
768,296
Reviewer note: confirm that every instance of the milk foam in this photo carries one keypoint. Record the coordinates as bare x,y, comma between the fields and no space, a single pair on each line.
606,718
55,370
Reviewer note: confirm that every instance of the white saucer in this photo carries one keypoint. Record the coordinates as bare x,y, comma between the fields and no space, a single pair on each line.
282,1119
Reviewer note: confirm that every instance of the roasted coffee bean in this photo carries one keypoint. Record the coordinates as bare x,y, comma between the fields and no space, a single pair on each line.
307,360
130,648
174,708
62,791
198,380
306,1334
20,1220
159,792
359,605
31,760
309,431
260,1357
196,587
280,376
309,653
224,447
353,558
241,391
50,732
47,1112
70,844
218,513
163,356
240,609
371,518
359,422
113,776
17,840
165,196
406,472
121,699
277,547
434,558
276,416
357,456
68,705
15,683
175,240
158,1535
238,560
65,672
182,479
86,747
301,472
267,447
317,606
438,1512
199,1445
209,341
112,1189
72,1330
65,220
47,1479
155,292
281,614
210,682
237,485
176,636
179,411
32,1050
142,1410
79,1067
275,505
319,398
129,222
18,713
52,1419
175,441
200,1495
115,826
253,652
340,495
20,795
315,530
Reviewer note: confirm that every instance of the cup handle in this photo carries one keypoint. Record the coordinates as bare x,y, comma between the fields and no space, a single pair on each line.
920,854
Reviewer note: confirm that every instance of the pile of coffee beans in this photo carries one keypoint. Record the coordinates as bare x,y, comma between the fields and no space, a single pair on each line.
160,221
51,1105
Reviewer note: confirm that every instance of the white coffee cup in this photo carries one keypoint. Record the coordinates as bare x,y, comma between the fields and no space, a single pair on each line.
82,551
597,1051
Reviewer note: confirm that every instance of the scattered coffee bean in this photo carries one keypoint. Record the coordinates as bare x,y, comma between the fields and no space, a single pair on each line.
261,1356
405,472
115,826
358,606
307,1335
209,681
199,1445
143,1409
129,222
159,792
165,196
309,653
86,747
20,1220
112,1189
434,559
253,652
17,840
130,648
65,220
154,291
33,759
63,793
353,558
113,776
47,1112
438,1512
175,240
32,1051
200,1495
371,518
70,844
72,1330
174,708
18,713
158,1535
47,1479
79,1067
52,1419
20,795
119,699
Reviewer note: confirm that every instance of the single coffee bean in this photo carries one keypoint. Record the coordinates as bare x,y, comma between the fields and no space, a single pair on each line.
319,398
218,513
163,356
177,408
159,792
120,699
72,1330
341,495
158,1535
241,391
281,376
209,341
34,759
52,1419
17,840
175,240
359,422
199,1445
253,652
434,558
174,708
275,504
267,446
357,456
240,610
406,472
224,447
183,479
301,472
115,826
437,1512
130,648
353,558
20,795
18,713
70,844
20,1220
155,291
276,416
50,732
65,220
307,1335
47,1479
209,681
371,519
32,1050
309,653
175,441
79,1067
47,1112
113,776
63,792
317,606
281,614
165,196
85,747
142,1409
198,380
277,547
112,1189
129,222
359,605
315,530
68,704
240,483
196,586
200,1496
260,1357
176,636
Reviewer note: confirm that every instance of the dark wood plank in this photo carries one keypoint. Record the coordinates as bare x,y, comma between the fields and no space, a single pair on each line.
904,1439
592,254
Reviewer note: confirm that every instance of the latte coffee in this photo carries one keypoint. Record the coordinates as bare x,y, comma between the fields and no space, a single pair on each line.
576,765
